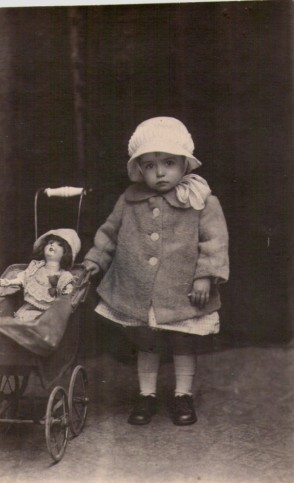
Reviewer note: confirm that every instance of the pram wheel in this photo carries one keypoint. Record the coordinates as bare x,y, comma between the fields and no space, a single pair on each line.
9,400
57,423
78,400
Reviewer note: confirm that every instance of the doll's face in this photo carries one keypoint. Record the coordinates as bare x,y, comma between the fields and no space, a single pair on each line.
162,171
53,251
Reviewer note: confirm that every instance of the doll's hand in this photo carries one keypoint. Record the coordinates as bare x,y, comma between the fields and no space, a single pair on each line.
91,267
4,282
200,292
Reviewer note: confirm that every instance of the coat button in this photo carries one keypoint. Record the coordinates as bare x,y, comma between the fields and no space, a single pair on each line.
154,236
156,212
153,261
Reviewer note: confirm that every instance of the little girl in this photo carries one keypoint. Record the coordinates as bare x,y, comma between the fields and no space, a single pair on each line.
47,275
164,252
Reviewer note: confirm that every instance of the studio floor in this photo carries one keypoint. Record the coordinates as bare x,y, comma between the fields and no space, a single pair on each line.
244,434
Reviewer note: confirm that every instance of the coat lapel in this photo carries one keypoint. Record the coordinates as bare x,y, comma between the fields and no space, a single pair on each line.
140,192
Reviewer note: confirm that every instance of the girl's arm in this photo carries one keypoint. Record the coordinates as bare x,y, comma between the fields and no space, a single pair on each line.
101,254
200,292
213,261
213,258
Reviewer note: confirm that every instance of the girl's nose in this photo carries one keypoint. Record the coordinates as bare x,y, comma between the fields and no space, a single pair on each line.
159,170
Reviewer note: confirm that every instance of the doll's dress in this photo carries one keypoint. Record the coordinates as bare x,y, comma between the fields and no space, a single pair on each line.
37,287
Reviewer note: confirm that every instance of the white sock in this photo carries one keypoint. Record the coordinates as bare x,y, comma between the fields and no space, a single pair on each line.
185,368
148,366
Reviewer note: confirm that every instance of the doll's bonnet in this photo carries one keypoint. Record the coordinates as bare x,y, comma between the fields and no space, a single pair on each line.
67,234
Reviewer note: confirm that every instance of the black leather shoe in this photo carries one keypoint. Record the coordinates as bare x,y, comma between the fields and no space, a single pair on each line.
184,412
143,411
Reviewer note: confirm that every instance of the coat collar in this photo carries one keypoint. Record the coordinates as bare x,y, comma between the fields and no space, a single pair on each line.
140,192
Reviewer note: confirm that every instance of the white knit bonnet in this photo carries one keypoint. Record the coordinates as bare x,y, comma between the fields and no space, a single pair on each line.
67,234
160,134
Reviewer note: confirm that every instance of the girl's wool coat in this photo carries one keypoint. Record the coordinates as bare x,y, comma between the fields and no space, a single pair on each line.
152,248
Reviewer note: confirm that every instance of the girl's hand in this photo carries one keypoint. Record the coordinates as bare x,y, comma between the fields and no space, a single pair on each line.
91,267
4,282
200,292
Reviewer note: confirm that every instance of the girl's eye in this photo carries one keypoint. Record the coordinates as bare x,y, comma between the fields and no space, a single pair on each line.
149,166
170,162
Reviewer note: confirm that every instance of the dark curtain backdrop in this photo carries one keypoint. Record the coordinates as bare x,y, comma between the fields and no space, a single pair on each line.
74,84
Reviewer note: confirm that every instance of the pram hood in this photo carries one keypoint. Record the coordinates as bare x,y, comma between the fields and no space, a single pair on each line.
69,235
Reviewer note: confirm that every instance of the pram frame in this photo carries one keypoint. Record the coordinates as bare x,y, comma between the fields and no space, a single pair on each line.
61,410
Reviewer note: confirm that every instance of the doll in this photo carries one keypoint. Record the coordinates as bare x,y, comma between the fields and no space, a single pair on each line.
47,275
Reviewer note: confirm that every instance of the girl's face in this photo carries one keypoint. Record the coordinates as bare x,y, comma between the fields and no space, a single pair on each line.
53,251
162,171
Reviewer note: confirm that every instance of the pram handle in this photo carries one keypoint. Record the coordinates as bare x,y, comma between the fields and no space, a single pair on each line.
62,192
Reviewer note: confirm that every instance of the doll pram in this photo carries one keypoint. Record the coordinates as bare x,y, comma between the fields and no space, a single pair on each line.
45,349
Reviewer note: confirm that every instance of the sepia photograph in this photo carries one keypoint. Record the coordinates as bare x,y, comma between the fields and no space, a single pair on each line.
146,231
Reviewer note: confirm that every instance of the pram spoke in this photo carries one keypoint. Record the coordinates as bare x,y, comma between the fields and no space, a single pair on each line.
9,400
57,423
23,383
78,400
8,385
